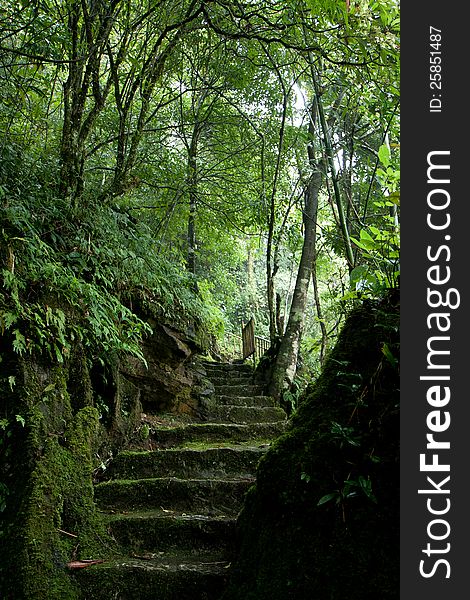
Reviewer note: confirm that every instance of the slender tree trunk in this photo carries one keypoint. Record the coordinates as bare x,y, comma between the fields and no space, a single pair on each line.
192,185
272,266
324,332
251,281
334,176
279,317
201,115
285,366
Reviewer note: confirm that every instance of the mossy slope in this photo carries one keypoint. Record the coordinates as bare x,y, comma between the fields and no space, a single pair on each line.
54,519
342,446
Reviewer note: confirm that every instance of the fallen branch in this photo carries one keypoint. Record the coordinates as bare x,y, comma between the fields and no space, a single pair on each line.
72,535
80,564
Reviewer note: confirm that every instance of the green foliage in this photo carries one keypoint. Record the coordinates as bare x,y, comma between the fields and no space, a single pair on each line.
350,489
291,397
392,359
95,208
71,277
379,247
345,435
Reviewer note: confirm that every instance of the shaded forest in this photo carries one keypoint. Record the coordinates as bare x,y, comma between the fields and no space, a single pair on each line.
169,171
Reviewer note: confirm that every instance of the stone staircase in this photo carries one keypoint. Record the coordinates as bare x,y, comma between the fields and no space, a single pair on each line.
173,510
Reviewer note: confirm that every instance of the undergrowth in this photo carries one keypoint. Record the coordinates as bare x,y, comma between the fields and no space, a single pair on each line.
75,274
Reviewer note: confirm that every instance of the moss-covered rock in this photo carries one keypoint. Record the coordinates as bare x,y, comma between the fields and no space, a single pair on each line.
50,511
170,381
322,521
60,424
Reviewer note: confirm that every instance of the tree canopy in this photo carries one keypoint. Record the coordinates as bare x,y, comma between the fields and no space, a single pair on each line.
201,160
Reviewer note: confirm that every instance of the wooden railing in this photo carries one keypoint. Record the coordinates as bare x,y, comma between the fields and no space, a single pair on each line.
232,345
248,339
247,345
262,346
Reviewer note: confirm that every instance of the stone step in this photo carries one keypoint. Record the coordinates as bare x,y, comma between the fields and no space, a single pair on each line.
252,401
224,373
217,432
229,380
228,367
187,463
238,389
172,511
159,578
247,414
231,374
202,496
168,531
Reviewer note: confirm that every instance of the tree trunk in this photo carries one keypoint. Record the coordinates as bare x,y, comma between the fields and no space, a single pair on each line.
272,266
279,317
192,185
285,365
334,177
251,282
324,332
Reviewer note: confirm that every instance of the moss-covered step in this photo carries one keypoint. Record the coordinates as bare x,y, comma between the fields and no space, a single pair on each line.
206,496
247,414
229,371
227,367
185,463
230,375
155,578
163,531
238,389
244,400
217,432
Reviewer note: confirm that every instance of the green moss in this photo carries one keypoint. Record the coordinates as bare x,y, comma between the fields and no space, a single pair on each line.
54,519
205,445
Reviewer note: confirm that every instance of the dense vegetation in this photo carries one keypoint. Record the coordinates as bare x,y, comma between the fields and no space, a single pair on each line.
165,151
189,163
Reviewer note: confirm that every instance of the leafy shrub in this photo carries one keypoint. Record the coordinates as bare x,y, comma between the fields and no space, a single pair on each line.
80,275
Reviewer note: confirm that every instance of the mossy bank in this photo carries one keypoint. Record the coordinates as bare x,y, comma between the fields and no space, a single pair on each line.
50,516
60,425
322,521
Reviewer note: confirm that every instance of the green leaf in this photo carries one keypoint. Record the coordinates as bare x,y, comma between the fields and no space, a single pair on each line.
358,274
394,198
19,343
384,155
364,244
388,355
365,236
327,498
9,319
21,420
58,354
366,486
